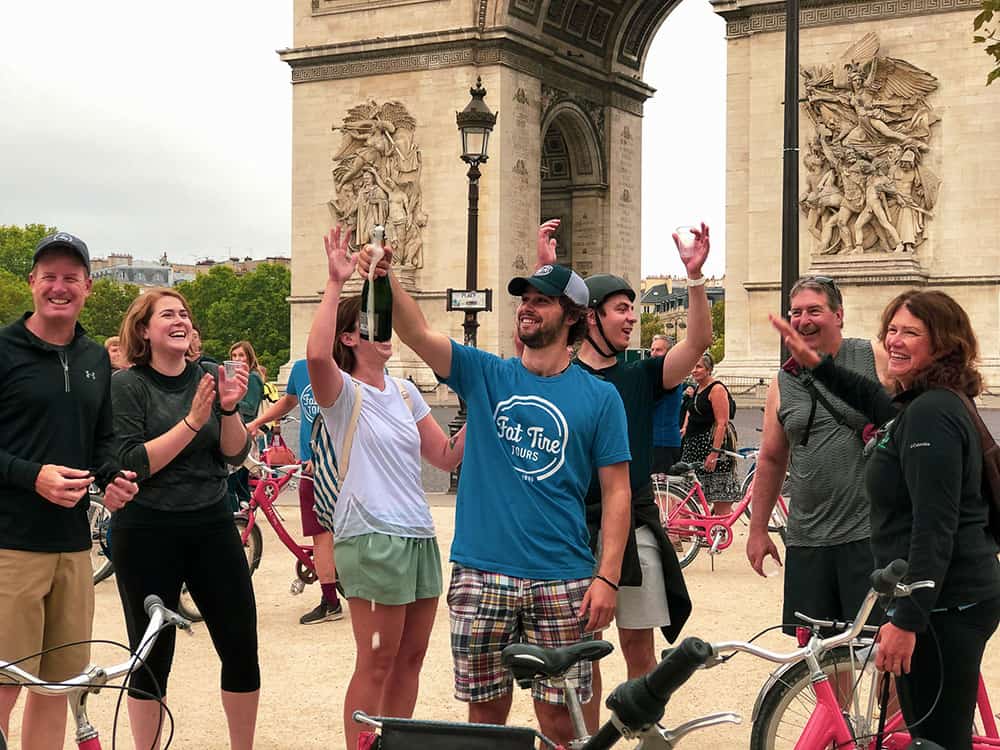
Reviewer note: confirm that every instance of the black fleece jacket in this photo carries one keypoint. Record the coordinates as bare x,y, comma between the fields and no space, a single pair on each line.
924,482
56,409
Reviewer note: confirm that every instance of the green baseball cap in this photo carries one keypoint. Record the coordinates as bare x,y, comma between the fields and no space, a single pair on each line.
553,280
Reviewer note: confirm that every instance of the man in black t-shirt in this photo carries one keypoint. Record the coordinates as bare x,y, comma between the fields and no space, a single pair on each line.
55,440
659,598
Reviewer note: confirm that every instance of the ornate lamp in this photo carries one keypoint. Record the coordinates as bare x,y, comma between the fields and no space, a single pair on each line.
475,123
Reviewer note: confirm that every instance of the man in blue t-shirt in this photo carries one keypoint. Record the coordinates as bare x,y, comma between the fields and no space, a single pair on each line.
298,392
538,428
666,417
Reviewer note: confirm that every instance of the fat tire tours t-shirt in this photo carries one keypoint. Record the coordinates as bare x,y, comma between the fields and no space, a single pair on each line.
300,387
533,443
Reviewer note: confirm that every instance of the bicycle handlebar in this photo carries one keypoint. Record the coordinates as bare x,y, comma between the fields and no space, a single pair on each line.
884,581
159,617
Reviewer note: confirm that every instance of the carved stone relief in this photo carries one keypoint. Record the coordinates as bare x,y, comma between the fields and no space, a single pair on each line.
868,188
376,179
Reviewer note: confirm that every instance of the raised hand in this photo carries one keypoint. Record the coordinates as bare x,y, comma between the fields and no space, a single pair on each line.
547,243
693,254
365,261
201,404
340,263
232,389
801,351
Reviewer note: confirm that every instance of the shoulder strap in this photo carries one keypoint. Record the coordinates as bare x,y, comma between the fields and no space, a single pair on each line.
985,436
404,392
809,382
352,426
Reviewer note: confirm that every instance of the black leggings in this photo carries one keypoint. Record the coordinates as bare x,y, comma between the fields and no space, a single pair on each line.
210,559
962,637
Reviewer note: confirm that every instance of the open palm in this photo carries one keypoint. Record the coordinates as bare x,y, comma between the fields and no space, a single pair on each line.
340,263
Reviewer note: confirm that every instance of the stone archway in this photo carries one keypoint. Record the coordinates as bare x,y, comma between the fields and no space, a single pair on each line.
574,185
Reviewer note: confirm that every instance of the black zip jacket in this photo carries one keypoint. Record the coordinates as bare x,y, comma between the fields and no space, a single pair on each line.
56,410
924,482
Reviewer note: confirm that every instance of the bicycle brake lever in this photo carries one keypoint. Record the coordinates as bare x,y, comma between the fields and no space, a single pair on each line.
660,738
905,589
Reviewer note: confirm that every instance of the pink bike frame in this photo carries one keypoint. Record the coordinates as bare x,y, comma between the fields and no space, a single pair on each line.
826,726
262,498
683,520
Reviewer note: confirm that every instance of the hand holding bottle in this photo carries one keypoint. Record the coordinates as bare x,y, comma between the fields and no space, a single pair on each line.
340,264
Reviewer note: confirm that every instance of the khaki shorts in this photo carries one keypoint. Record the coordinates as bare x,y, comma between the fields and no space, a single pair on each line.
46,600
391,570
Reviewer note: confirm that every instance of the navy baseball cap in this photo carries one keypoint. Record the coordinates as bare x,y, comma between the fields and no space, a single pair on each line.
63,241
555,281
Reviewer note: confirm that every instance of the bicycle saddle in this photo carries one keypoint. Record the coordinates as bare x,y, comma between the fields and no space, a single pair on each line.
679,469
528,663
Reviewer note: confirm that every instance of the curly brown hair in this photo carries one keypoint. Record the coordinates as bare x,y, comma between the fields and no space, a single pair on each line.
953,342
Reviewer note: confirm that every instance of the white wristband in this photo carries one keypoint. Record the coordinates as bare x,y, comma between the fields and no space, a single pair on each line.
696,282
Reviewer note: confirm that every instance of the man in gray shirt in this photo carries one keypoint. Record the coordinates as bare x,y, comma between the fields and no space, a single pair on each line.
817,439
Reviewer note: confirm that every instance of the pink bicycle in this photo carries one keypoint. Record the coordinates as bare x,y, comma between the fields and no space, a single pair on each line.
78,688
799,706
690,522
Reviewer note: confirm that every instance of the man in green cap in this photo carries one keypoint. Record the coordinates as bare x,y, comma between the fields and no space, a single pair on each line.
652,593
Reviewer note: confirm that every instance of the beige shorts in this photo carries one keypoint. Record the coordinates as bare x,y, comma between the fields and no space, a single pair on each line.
46,600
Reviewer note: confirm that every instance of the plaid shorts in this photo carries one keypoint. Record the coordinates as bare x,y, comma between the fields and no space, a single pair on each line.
491,610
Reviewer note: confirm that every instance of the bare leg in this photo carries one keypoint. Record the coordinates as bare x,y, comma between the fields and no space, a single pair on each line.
44,726
377,634
323,559
592,708
147,722
241,715
637,647
491,712
554,722
8,697
400,693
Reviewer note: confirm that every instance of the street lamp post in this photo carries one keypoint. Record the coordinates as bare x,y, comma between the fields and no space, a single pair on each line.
475,123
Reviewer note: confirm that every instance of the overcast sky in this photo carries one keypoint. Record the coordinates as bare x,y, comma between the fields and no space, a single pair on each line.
146,127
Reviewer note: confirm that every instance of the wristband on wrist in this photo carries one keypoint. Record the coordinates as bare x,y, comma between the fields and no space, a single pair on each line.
228,412
700,281
602,578
189,425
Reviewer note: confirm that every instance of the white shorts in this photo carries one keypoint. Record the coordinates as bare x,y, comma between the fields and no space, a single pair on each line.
645,606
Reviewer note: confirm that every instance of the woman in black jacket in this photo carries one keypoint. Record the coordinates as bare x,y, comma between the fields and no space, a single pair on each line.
924,480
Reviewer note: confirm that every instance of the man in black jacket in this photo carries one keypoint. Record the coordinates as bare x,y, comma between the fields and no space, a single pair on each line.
55,440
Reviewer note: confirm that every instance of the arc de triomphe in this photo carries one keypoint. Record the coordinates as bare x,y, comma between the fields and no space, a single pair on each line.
377,83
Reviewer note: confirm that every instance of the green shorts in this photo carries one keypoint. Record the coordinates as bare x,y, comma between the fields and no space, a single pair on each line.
390,570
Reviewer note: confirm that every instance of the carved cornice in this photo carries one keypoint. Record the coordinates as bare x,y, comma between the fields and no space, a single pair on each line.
769,17
461,48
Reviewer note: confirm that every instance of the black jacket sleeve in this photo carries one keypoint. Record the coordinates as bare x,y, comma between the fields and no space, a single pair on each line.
932,444
864,394
129,399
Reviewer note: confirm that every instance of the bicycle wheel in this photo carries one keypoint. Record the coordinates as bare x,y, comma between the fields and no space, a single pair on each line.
253,549
788,704
99,518
686,539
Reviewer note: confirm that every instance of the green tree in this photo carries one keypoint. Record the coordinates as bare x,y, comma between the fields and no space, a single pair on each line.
17,245
986,34
105,308
649,325
718,347
229,308
15,297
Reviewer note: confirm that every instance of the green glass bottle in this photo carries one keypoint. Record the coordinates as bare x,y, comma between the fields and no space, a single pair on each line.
376,301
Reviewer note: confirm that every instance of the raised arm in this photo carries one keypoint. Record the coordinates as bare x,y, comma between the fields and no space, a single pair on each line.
277,410
681,358
323,371
408,321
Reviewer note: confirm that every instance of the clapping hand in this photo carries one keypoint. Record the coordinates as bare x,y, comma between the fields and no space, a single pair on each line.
801,352
547,243
693,254
201,404
340,263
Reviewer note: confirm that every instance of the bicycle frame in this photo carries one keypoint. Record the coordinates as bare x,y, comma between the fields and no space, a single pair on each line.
693,516
76,689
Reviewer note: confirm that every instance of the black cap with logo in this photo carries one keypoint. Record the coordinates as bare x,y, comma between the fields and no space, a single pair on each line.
63,241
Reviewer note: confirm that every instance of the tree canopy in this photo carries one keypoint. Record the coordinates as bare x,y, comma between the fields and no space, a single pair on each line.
649,325
986,34
17,245
230,308
106,307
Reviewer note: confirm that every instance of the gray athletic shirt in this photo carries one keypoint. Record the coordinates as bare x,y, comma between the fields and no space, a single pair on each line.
826,476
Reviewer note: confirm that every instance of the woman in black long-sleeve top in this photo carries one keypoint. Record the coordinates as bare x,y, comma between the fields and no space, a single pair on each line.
924,480
179,427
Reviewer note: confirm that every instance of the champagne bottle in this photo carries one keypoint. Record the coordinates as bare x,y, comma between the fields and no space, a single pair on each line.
376,297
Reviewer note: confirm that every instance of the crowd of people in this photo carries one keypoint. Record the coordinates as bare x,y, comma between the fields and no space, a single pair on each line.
557,532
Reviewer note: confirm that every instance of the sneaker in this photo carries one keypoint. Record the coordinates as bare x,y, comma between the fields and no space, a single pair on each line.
324,612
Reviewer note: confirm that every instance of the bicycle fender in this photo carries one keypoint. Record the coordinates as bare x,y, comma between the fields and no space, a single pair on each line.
772,680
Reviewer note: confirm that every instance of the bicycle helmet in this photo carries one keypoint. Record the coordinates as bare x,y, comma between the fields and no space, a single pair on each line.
599,288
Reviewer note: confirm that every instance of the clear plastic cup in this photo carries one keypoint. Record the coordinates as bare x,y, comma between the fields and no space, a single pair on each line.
231,366
686,234
771,567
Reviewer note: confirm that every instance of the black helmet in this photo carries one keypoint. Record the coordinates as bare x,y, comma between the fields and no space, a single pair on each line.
603,285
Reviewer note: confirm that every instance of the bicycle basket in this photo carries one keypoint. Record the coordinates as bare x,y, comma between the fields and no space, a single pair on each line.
407,734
